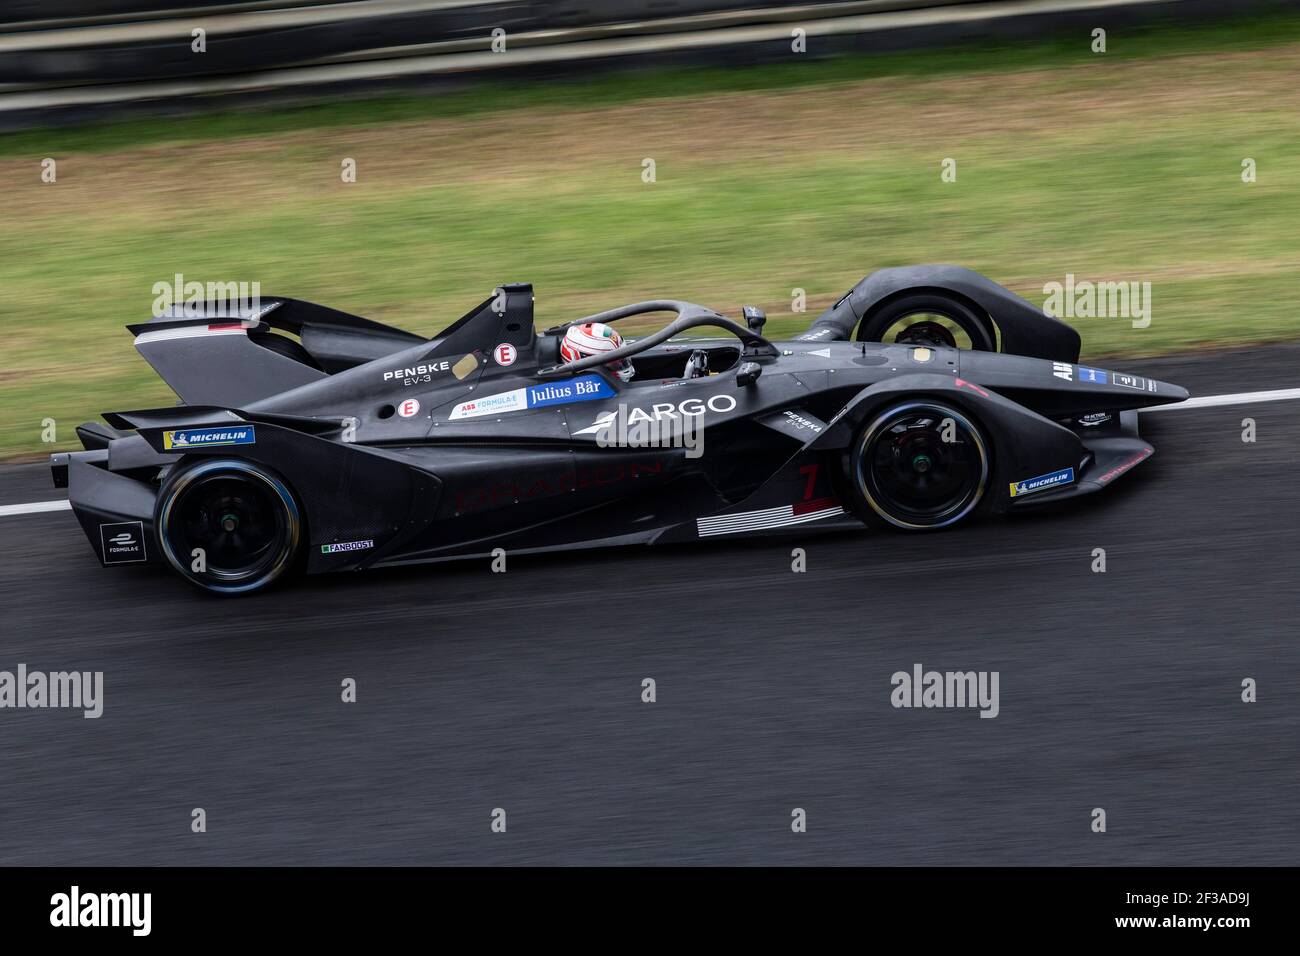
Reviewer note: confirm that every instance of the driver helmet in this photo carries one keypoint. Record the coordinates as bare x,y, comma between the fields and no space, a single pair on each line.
592,338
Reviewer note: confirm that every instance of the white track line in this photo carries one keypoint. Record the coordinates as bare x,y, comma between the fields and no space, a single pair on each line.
35,507
1237,398
1207,401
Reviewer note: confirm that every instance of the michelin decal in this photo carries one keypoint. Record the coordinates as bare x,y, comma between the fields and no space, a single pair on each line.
1030,485
185,438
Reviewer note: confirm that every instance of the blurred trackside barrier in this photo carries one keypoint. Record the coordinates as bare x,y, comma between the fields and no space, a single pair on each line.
104,53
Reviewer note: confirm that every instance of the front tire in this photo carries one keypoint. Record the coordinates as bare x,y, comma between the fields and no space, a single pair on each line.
930,319
919,466
229,526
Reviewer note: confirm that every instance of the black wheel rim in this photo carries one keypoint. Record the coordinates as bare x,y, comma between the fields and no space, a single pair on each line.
236,522
927,331
922,466
242,521
928,327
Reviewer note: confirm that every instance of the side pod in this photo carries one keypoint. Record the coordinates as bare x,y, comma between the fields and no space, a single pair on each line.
1025,444
349,492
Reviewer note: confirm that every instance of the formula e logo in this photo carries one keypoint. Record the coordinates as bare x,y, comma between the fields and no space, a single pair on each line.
1030,485
1133,381
490,404
660,411
207,437
123,542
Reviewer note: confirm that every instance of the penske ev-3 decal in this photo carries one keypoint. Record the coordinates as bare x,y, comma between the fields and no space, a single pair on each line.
1042,482
207,437
582,389
419,374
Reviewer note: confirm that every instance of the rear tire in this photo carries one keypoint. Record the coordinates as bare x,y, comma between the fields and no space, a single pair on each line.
929,318
919,466
241,516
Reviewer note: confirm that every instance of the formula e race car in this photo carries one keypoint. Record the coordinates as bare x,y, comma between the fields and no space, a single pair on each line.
313,439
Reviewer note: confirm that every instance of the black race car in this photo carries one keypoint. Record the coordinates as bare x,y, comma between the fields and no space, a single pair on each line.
311,438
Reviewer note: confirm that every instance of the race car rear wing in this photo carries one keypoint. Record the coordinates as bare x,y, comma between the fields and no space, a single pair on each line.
232,354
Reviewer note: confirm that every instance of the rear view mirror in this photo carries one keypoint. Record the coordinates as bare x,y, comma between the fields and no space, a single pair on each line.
748,373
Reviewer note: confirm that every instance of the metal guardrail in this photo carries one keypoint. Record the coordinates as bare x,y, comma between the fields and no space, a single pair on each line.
109,60
288,35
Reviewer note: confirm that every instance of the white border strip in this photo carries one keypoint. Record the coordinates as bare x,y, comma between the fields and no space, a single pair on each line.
760,520
186,332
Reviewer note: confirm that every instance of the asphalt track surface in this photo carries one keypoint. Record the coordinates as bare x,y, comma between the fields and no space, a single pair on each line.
522,690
